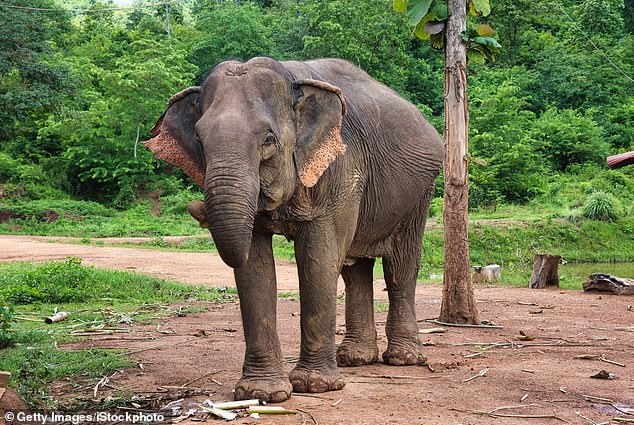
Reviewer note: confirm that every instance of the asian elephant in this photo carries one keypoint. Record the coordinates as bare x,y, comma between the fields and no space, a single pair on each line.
323,154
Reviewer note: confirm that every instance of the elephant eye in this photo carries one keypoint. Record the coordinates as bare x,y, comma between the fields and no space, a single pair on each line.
270,139
269,147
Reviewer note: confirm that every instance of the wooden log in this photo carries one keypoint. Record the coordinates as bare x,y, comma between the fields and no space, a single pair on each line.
545,271
621,160
602,282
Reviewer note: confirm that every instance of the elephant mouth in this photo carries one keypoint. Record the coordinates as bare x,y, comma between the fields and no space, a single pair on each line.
198,210
267,202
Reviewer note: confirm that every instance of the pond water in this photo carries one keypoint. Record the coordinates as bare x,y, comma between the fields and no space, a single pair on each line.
584,270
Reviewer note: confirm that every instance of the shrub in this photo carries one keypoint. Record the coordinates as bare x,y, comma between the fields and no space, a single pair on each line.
7,326
55,282
600,206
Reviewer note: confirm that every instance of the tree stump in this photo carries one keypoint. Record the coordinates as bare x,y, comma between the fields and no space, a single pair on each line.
545,271
489,273
602,282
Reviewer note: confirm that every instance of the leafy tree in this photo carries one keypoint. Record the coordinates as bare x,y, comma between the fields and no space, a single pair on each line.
231,30
565,138
501,124
30,83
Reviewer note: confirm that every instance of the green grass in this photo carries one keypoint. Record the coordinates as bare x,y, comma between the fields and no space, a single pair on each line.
94,298
91,220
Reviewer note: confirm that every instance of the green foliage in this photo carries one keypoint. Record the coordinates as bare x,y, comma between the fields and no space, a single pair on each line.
8,323
566,138
77,89
429,17
56,282
600,206
231,30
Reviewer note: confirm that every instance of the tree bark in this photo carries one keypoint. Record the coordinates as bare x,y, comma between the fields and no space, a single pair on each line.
545,271
458,303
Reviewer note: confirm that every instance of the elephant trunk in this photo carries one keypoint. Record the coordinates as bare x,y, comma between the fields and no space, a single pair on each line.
231,194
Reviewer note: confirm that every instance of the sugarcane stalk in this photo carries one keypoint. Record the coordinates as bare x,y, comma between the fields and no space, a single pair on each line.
271,410
239,404
224,414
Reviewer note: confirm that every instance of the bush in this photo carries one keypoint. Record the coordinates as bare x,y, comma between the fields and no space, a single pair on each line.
600,206
43,209
7,326
55,282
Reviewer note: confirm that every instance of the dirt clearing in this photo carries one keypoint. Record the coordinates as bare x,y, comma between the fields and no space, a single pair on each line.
527,372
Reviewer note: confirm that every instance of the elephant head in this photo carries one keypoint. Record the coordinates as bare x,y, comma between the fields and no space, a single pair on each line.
248,136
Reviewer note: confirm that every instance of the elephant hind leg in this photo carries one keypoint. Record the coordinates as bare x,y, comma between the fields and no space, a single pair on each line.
359,345
401,270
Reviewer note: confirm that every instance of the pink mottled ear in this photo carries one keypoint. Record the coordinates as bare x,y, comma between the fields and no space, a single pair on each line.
320,110
174,133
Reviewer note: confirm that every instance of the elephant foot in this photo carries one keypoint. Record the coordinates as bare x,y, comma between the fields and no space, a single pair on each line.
404,354
351,354
316,381
271,390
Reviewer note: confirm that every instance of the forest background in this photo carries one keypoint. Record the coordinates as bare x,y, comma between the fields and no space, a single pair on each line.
82,83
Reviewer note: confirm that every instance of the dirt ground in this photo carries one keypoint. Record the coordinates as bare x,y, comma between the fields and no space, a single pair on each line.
199,356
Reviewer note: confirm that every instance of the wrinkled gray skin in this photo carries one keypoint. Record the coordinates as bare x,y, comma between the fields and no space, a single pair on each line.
262,139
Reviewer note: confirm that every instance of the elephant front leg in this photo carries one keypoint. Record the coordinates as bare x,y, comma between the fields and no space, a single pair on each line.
263,375
318,263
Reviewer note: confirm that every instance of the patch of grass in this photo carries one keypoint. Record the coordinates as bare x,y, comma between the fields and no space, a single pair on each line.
68,281
92,220
94,298
600,206
381,307
35,365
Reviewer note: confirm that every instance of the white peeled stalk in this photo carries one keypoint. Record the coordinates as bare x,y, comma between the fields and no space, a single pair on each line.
224,414
239,404
271,410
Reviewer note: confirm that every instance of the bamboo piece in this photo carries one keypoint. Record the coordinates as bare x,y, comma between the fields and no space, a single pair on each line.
58,317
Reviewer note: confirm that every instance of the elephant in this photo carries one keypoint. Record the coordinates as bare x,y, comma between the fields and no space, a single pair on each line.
322,153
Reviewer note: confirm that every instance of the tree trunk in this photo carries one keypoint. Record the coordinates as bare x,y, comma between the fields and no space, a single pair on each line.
545,271
458,302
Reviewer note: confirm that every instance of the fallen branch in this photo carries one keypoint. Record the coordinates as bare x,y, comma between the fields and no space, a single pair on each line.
171,344
480,374
464,325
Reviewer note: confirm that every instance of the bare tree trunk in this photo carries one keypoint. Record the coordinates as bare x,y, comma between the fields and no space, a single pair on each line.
458,302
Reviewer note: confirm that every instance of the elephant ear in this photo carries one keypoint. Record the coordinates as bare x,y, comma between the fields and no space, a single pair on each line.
320,109
174,134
